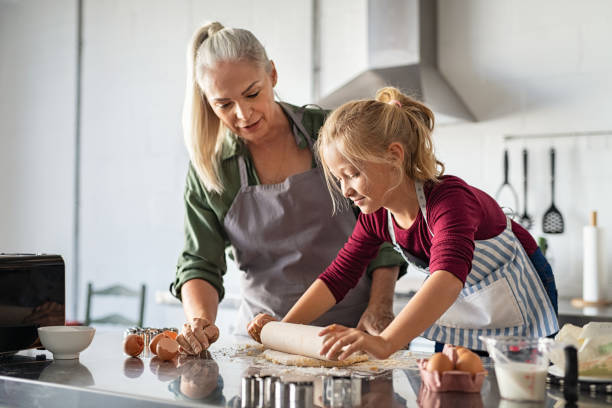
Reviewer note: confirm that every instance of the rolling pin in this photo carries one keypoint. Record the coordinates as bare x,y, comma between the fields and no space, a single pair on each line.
293,338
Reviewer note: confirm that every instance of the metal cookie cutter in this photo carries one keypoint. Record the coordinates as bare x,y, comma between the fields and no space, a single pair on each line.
341,391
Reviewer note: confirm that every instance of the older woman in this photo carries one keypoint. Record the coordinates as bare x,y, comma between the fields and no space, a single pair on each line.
253,185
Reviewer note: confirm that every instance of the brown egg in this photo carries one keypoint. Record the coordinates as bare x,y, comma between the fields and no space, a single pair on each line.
469,362
167,348
155,340
460,350
439,362
133,345
170,334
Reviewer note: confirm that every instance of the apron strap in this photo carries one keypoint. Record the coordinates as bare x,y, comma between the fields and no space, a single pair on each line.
244,179
420,192
420,265
408,257
390,228
297,118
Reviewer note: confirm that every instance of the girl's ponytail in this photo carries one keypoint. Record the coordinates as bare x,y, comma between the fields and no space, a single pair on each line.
422,164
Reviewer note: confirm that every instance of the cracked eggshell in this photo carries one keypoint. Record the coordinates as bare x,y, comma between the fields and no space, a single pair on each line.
167,348
133,345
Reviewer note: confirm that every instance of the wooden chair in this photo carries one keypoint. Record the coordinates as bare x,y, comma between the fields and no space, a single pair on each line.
118,319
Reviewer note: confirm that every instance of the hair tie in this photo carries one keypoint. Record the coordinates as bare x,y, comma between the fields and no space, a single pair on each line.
395,102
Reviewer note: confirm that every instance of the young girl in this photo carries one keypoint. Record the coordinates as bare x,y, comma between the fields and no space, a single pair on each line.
486,275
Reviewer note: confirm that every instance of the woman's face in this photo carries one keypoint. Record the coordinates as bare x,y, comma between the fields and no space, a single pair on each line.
367,186
241,95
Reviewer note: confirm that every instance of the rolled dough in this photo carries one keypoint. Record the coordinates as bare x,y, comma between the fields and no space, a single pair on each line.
279,357
299,345
293,338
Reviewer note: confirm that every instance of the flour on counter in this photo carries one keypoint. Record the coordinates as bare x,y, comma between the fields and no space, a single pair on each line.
253,355
287,359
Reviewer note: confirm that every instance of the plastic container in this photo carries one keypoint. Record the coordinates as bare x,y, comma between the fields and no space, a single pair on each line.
521,365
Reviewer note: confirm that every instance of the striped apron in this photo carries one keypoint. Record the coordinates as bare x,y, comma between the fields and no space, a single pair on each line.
502,295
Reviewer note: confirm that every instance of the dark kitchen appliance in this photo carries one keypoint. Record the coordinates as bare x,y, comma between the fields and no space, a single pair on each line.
32,288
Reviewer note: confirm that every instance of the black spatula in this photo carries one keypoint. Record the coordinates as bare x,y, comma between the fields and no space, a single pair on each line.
552,222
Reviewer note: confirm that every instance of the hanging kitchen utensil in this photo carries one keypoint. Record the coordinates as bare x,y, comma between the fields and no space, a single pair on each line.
525,220
552,222
506,189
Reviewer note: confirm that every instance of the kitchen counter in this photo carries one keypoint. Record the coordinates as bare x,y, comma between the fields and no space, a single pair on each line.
104,376
582,315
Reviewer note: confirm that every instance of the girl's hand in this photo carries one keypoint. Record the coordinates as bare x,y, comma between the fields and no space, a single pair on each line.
255,326
340,342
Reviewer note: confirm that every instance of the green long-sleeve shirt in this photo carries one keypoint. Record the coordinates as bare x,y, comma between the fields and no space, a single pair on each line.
206,240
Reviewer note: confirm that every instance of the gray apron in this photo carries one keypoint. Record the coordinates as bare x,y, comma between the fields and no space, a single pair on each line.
283,236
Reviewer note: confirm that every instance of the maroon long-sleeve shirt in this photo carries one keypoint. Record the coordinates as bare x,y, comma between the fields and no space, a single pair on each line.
458,214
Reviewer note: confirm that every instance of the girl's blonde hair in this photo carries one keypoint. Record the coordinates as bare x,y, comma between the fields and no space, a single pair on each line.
363,130
202,130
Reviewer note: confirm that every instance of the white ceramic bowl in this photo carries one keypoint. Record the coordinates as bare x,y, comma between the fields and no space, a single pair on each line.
66,342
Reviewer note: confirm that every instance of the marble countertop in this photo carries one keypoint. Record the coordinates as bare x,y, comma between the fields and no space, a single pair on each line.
104,376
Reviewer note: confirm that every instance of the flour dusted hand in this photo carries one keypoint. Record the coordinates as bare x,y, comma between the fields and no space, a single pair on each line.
197,336
255,326
375,319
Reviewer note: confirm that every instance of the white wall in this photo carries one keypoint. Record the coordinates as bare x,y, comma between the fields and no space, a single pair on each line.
133,159
133,153
37,88
344,37
526,67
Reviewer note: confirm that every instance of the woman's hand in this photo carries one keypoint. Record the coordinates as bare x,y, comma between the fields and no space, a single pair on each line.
340,342
379,313
376,318
255,326
197,336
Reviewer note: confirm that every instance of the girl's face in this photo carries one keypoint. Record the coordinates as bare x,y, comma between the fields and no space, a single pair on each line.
366,186
241,95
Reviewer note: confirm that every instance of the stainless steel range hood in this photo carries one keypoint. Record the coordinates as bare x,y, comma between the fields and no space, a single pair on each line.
402,52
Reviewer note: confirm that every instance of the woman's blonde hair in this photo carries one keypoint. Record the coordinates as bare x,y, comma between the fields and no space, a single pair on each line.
363,130
202,130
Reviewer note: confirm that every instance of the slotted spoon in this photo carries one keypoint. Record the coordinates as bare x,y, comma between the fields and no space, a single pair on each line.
552,222
525,220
